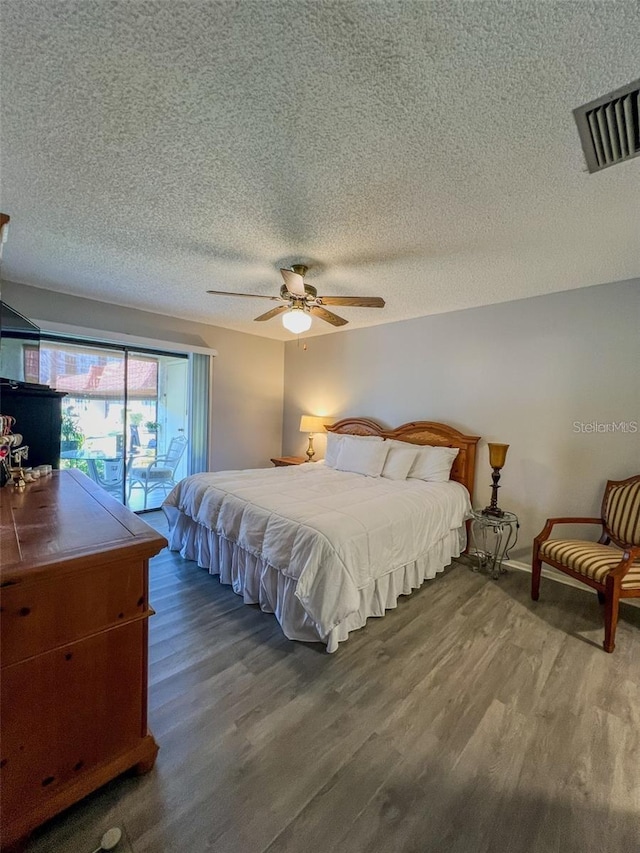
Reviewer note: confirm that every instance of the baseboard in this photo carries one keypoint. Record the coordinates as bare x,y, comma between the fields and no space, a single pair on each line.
567,580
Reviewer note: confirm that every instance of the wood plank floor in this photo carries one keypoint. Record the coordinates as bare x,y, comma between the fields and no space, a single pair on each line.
469,720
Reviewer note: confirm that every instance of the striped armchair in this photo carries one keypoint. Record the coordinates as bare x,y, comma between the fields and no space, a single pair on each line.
612,564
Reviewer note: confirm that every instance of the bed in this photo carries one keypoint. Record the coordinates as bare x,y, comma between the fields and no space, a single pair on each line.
325,549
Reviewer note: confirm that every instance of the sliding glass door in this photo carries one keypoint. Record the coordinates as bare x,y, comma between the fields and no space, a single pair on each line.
157,427
92,436
125,417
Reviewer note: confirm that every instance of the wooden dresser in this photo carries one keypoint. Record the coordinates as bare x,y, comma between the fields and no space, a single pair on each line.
74,600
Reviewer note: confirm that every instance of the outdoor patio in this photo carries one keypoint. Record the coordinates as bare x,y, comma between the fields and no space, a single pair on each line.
141,480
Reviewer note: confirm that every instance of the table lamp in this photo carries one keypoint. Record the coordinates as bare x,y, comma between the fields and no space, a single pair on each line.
312,424
497,458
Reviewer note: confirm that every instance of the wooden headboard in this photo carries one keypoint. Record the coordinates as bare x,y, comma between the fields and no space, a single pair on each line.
422,432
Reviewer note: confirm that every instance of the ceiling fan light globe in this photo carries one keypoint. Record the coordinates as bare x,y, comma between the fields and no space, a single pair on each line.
296,321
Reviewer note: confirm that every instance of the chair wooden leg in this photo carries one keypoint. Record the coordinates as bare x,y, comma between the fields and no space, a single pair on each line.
536,570
612,602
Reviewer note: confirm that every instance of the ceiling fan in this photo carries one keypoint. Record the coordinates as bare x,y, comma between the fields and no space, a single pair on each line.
302,301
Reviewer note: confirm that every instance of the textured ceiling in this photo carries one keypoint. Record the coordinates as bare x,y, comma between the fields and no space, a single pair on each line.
423,152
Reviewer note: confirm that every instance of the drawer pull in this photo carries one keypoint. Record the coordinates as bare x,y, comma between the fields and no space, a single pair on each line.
24,611
68,656
48,781
79,765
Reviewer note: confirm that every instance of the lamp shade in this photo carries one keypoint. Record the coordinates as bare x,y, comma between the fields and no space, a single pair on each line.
310,423
296,321
497,454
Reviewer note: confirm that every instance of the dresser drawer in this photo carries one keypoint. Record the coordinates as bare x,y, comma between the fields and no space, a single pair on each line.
68,711
37,617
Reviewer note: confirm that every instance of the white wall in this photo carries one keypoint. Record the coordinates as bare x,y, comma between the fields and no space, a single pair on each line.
247,372
519,372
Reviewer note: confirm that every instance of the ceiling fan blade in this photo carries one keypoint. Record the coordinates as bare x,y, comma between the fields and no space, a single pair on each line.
273,313
294,282
249,295
355,301
329,316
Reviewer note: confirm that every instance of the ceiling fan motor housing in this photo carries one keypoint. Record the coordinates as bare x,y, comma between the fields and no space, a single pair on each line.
310,290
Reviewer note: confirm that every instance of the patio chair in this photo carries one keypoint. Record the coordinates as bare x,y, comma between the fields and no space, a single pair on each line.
111,477
157,473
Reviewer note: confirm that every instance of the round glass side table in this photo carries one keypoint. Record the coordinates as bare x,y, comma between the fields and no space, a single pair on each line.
492,539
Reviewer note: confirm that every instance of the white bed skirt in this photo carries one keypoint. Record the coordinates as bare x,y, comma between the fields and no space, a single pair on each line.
260,583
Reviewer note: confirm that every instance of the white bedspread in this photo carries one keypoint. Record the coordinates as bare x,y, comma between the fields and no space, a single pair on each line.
334,532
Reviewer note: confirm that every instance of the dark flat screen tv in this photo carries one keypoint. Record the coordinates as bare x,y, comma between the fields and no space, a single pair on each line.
19,347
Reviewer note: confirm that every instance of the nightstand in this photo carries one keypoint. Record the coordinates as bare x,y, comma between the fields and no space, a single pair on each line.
492,538
283,461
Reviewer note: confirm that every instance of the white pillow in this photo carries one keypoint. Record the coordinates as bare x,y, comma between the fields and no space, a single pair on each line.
334,442
333,448
399,460
433,464
362,457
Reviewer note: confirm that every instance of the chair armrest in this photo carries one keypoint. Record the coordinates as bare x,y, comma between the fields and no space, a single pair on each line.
628,558
141,463
159,460
145,458
551,522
